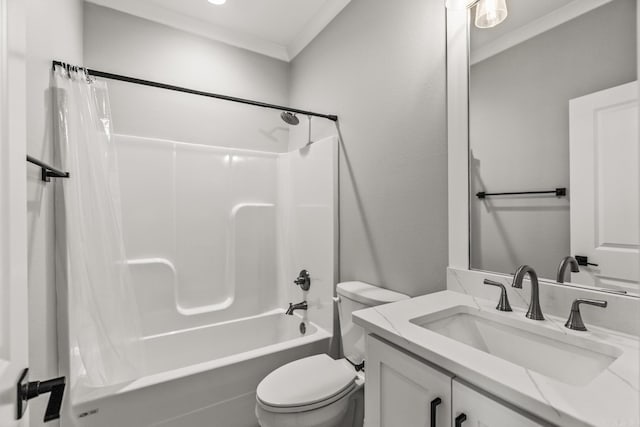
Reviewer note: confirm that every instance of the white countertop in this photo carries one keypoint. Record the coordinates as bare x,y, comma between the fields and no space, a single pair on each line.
610,399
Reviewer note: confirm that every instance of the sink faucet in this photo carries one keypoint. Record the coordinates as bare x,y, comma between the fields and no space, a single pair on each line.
575,319
503,304
299,306
562,268
534,312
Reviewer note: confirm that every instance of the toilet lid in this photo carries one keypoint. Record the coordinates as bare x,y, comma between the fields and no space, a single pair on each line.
306,382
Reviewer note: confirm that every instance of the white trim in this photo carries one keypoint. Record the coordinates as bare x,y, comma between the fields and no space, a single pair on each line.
14,312
534,28
457,124
202,28
458,136
460,4
159,14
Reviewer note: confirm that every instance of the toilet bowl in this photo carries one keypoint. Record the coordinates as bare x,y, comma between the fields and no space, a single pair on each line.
319,391
316,391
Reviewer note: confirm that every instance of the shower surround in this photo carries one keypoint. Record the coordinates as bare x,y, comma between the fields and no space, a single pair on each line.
214,237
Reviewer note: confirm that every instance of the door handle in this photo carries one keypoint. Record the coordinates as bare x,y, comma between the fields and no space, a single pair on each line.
460,419
584,261
434,407
27,390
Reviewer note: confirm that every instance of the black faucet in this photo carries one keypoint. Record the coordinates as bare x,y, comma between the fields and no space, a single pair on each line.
534,312
299,306
575,319
562,268
303,280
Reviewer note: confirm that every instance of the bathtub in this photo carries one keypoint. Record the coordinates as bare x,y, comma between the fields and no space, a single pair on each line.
205,376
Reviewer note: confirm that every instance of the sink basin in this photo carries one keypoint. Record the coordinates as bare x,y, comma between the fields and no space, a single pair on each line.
567,358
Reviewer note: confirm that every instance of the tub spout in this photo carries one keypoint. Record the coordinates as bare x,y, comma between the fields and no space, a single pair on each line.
299,306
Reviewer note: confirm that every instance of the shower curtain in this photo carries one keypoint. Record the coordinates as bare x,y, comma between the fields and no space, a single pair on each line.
103,317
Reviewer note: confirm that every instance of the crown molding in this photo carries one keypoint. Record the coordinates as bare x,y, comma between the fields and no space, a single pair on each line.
320,20
161,15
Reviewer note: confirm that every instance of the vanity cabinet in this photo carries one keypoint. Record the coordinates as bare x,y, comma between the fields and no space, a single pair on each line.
479,410
403,390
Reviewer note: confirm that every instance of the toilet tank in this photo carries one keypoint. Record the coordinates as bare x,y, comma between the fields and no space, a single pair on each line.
354,296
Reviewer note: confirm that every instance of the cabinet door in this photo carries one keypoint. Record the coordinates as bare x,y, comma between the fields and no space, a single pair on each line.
402,390
474,409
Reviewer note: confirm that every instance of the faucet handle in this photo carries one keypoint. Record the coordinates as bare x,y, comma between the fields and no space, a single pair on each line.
575,318
503,304
303,280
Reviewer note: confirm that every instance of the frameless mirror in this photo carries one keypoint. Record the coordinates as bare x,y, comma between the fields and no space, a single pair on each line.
553,140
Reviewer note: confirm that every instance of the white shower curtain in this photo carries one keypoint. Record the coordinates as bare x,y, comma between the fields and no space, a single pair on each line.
104,327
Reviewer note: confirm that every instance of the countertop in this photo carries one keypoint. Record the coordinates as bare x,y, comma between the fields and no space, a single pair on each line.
611,399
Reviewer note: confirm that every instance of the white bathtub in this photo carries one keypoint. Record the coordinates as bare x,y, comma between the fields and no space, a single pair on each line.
200,377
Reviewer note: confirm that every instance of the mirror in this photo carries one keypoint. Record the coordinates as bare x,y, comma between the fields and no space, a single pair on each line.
553,114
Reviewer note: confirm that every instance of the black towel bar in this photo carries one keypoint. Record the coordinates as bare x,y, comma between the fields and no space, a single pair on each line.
48,172
558,192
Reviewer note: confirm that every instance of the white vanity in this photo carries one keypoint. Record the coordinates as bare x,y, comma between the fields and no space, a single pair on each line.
454,357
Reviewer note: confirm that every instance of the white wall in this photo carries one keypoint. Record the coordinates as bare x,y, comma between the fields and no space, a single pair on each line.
519,133
380,66
307,227
200,222
123,44
54,31
215,234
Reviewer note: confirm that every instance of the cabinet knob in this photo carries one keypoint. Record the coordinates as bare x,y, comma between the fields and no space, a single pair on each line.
460,419
434,407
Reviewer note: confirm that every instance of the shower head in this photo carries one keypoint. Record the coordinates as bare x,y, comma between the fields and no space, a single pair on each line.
289,118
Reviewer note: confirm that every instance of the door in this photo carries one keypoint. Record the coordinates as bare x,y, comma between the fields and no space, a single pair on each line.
471,408
13,228
404,391
604,186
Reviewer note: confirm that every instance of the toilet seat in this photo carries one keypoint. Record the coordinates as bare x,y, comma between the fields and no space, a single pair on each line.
306,384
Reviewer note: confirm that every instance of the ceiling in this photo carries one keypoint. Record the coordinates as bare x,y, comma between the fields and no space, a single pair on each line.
276,28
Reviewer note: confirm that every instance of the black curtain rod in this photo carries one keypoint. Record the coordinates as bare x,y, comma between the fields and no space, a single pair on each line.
558,192
134,80
48,172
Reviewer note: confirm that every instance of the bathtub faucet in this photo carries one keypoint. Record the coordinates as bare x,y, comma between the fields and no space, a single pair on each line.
299,306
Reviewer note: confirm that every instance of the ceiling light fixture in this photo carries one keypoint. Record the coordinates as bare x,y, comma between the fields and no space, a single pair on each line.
217,2
490,13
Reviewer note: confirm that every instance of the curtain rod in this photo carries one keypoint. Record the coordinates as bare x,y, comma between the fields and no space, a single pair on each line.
111,76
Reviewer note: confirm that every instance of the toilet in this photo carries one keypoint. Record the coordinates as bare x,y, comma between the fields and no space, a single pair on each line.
319,391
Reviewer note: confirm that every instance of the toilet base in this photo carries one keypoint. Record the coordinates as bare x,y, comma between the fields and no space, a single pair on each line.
347,413
355,413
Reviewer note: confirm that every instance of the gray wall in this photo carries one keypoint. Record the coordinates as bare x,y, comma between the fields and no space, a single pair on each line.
54,30
124,44
381,68
519,127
